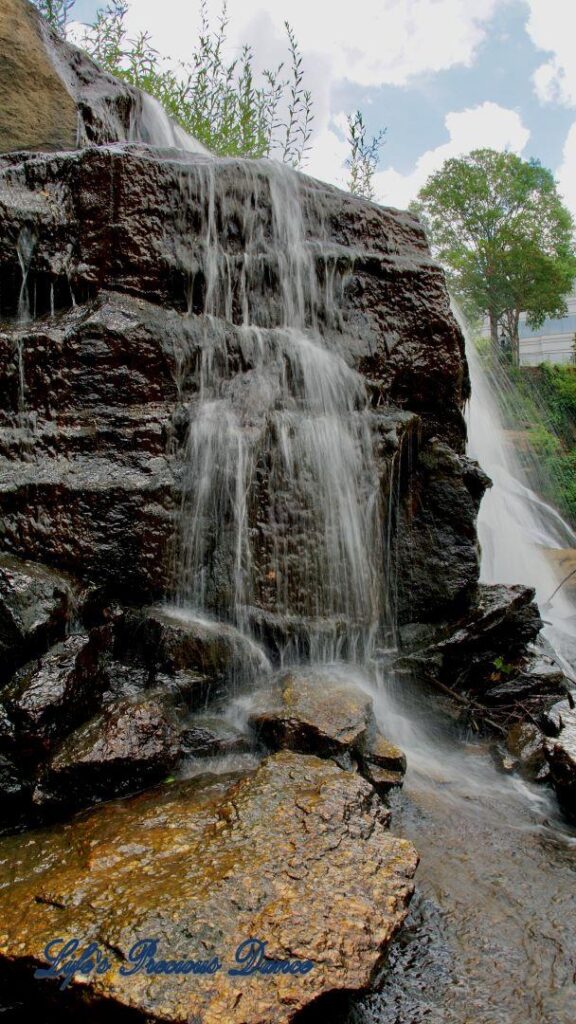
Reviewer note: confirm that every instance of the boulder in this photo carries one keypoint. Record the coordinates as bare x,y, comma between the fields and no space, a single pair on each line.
35,605
313,712
561,754
382,763
180,644
296,855
211,736
127,746
527,745
49,696
464,654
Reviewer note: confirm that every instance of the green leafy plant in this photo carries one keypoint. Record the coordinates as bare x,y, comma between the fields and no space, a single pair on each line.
56,12
364,154
225,104
504,667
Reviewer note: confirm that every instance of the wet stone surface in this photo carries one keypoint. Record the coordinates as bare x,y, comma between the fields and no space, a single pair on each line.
297,853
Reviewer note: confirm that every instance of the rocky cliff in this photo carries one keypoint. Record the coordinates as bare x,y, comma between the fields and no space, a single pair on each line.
106,251
236,394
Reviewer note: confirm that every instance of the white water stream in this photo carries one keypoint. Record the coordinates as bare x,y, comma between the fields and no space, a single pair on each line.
281,508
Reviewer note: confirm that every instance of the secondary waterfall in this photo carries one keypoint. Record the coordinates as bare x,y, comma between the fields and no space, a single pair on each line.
282,506
515,525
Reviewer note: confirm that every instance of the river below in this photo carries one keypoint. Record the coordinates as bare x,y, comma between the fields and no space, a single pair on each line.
491,938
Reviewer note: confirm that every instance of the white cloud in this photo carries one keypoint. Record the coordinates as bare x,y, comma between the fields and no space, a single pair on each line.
329,152
552,27
486,126
370,42
566,175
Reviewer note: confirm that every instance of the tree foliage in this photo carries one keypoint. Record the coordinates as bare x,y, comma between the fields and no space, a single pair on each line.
364,153
542,402
224,103
498,225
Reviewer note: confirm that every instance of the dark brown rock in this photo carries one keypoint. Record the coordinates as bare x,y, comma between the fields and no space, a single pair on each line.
173,641
35,604
297,854
115,389
313,712
48,696
93,473
211,736
437,544
535,683
464,654
129,745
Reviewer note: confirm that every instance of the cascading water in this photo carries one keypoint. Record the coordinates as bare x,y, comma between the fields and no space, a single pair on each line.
154,127
490,938
515,526
282,494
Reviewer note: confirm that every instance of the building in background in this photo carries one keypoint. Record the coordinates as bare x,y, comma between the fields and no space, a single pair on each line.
554,342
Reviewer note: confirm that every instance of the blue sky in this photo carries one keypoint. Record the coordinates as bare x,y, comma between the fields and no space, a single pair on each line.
443,76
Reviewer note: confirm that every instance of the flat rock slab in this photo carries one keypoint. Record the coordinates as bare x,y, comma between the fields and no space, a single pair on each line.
296,855
313,712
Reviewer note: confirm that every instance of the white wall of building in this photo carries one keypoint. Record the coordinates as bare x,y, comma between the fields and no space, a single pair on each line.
551,343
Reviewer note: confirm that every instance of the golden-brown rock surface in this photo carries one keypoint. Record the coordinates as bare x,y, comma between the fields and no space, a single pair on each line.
297,855
36,109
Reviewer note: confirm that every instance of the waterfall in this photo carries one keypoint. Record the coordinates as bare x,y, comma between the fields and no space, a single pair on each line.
281,514
515,525
25,246
154,127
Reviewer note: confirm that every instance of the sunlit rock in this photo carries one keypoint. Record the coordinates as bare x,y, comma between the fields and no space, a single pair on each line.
296,855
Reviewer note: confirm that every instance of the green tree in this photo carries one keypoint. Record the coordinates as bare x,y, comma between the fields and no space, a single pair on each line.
498,225
364,153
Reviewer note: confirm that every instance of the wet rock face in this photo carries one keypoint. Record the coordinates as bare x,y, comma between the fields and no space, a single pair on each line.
313,713
111,386
52,95
437,544
34,607
130,745
202,866
100,385
560,748
45,698
465,654
172,640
